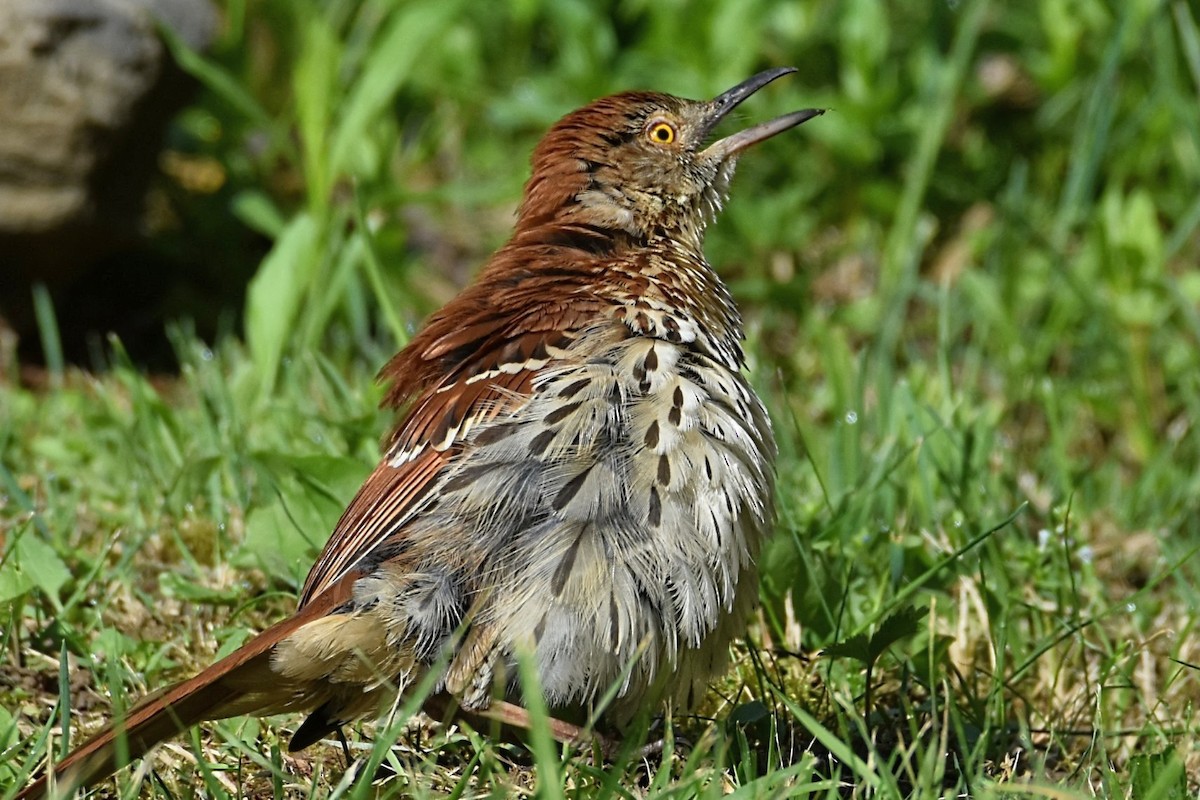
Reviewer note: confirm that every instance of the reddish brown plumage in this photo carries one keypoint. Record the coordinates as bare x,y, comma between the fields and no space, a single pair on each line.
581,469
192,701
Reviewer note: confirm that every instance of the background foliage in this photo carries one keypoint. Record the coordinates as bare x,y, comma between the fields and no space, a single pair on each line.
975,314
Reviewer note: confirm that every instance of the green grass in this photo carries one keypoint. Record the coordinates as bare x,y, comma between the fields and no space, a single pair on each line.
975,315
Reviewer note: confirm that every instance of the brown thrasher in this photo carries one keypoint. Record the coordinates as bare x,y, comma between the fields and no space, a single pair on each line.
583,474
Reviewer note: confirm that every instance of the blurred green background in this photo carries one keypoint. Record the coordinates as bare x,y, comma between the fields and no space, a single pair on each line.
972,296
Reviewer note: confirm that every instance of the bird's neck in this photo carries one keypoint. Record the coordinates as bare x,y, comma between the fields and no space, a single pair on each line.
659,284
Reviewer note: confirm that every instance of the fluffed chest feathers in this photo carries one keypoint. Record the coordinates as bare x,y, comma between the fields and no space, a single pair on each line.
611,529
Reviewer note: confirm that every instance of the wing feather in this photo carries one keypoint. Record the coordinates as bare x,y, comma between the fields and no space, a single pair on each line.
386,502
474,361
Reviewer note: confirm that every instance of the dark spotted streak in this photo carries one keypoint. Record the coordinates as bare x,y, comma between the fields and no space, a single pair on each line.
511,526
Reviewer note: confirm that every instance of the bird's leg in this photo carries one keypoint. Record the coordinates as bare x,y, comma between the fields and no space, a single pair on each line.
518,717
565,732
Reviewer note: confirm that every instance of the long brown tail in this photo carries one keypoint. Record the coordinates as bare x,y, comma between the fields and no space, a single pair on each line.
240,683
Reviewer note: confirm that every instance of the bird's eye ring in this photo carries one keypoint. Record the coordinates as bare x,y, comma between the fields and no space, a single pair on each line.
661,132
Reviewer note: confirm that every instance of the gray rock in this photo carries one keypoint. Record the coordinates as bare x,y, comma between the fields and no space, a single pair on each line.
81,98
87,90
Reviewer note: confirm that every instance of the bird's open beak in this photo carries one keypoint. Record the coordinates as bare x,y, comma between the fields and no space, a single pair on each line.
725,102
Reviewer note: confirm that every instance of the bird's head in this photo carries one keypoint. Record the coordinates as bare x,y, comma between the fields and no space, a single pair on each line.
642,162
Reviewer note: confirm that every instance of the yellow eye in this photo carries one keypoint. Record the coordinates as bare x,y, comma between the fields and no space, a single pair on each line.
661,133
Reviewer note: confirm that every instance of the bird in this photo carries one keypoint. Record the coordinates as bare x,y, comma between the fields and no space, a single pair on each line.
581,474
